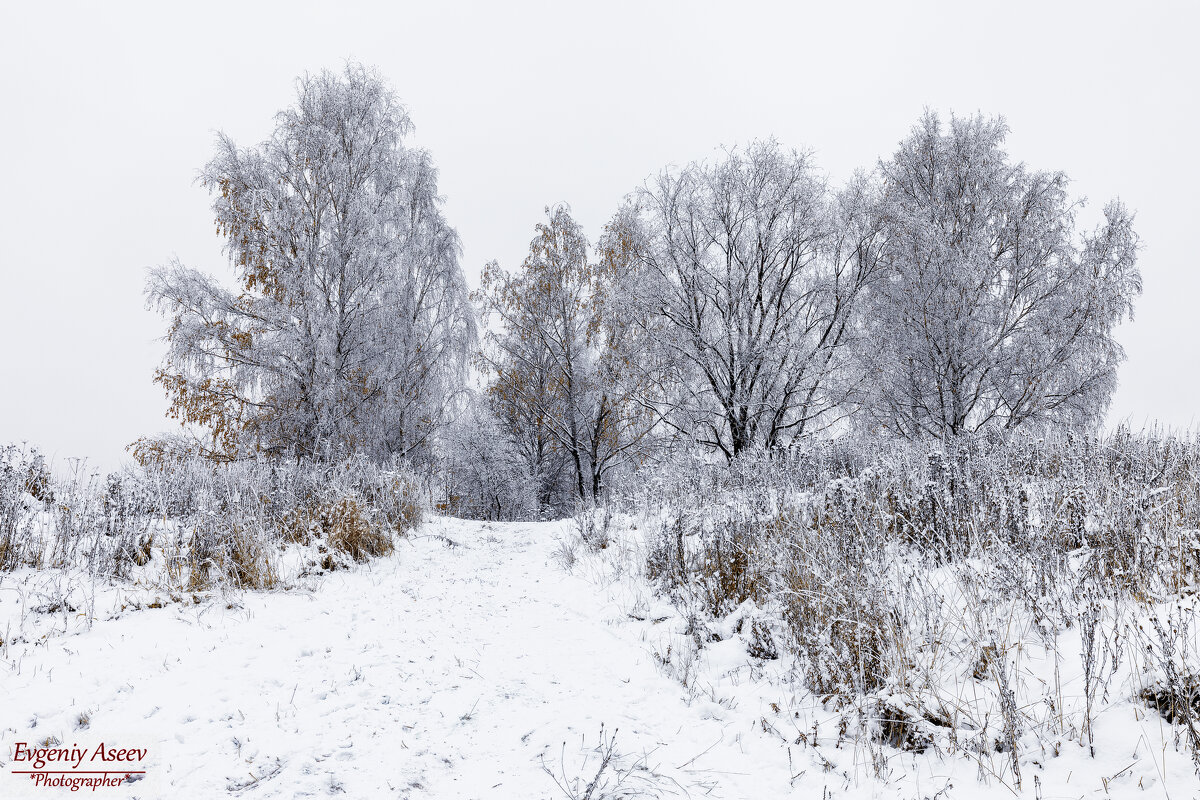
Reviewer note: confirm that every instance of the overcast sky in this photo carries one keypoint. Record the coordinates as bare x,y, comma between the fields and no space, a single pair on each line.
108,110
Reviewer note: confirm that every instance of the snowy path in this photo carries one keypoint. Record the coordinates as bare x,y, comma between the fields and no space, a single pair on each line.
442,671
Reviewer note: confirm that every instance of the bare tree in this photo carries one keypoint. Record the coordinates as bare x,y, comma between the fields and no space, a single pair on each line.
749,273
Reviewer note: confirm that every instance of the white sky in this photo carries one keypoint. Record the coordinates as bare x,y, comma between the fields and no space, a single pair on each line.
108,110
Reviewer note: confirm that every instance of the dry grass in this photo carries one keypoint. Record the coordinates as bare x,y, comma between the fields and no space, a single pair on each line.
299,524
248,563
213,524
398,497
891,574
352,529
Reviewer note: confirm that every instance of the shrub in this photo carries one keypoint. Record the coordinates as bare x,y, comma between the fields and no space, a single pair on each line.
717,564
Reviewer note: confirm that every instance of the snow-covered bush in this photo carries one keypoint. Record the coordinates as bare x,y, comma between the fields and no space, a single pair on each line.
349,526
353,507
224,550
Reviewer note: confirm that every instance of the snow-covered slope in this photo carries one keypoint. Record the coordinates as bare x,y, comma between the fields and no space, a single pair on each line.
456,668
470,664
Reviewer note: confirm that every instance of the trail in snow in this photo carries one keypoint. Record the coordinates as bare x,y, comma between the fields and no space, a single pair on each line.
456,668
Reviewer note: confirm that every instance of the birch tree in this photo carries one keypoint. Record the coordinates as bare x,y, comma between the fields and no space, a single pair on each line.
993,310
349,326
557,356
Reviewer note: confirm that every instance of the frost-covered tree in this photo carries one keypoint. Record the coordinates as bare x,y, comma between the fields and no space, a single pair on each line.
748,273
521,397
556,357
350,326
991,310
485,471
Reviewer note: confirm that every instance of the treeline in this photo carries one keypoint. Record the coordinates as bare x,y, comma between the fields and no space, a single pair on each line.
745,304
732,305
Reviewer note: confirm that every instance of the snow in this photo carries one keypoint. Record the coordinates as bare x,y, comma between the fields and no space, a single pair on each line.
466,665
448,670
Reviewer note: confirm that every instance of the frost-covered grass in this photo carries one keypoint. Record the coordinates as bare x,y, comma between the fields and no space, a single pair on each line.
1003,604
180,531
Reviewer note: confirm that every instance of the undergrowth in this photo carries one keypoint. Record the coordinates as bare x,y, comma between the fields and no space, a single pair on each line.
890,573
191,525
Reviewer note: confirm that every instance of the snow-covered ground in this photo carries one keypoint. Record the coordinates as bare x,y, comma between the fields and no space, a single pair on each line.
469,664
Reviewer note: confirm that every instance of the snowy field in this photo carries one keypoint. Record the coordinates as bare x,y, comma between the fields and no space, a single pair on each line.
472,663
